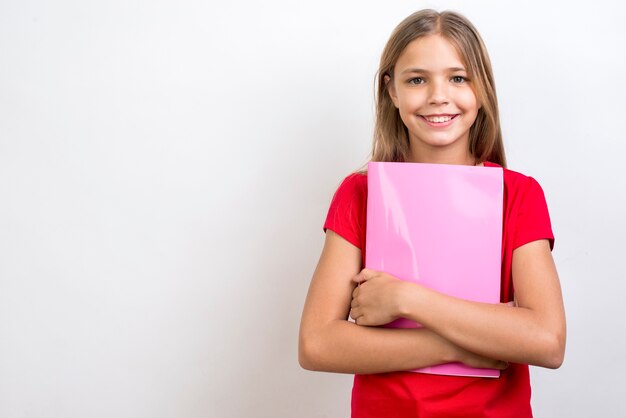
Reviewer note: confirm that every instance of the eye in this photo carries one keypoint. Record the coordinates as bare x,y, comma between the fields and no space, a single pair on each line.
417,80
459,79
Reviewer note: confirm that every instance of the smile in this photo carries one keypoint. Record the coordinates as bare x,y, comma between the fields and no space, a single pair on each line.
439,120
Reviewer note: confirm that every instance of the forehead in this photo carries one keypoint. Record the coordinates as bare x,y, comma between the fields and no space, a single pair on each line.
432,53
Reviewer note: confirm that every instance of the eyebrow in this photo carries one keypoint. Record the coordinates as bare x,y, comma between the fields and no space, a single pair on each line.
420,70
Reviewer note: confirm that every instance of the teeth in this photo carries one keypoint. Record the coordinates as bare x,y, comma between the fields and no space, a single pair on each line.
439,119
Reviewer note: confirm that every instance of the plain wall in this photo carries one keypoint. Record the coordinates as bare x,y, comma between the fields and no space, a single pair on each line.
166,168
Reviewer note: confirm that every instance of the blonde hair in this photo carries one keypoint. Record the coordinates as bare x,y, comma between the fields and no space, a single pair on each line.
391,141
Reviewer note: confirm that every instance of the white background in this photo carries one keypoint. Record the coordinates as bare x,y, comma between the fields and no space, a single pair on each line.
166,168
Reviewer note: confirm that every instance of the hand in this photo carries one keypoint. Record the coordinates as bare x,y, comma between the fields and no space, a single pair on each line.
474,360
375,301
454,353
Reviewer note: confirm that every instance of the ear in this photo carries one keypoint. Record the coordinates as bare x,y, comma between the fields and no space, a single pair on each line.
391,89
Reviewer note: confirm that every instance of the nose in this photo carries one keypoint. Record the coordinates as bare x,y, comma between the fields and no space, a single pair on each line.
438,92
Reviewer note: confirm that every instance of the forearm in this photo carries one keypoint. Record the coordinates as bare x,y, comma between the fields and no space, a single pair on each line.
344,347
507,333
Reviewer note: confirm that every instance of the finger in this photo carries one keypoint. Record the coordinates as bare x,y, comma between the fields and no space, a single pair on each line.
362,276
361,320
501,365
355,292
354,304
358,279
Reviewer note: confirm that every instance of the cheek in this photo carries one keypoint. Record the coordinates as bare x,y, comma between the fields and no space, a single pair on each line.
406,117
410,103
468,101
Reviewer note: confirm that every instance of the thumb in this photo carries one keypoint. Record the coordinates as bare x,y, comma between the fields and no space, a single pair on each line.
361,277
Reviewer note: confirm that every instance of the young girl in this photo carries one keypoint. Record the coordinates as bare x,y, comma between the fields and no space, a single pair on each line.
436,103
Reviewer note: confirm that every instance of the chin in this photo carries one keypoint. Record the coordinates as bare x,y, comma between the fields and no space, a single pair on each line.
441,143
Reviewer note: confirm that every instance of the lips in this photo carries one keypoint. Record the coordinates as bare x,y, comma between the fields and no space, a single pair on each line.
438,118
439,121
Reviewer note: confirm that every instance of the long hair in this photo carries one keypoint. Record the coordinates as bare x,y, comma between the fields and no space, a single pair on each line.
391,140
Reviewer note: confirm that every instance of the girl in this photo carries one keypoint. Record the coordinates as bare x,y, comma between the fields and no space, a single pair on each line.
436,103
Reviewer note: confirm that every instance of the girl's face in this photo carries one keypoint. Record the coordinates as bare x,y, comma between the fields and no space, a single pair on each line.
435,99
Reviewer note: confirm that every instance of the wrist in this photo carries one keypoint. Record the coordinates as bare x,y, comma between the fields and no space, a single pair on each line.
447,352
408,294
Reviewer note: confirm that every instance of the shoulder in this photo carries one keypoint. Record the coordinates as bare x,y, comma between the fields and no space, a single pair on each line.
525,208
516,183
347,212
357,180
353,186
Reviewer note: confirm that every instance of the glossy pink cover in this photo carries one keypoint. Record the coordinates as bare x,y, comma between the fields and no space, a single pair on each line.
440,226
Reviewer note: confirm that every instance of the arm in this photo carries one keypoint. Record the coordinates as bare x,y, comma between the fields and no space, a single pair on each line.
533,332
329,342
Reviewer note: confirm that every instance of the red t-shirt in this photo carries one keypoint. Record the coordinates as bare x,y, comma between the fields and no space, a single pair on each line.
407,394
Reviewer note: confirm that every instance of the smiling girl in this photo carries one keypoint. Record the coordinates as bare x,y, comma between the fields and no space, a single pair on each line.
436,103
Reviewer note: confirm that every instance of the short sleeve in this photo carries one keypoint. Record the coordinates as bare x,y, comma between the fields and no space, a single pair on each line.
347,212
533,220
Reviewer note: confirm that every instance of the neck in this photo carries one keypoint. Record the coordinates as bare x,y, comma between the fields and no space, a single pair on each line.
439,156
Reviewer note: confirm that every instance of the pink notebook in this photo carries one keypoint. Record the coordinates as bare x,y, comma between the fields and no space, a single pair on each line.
440,226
